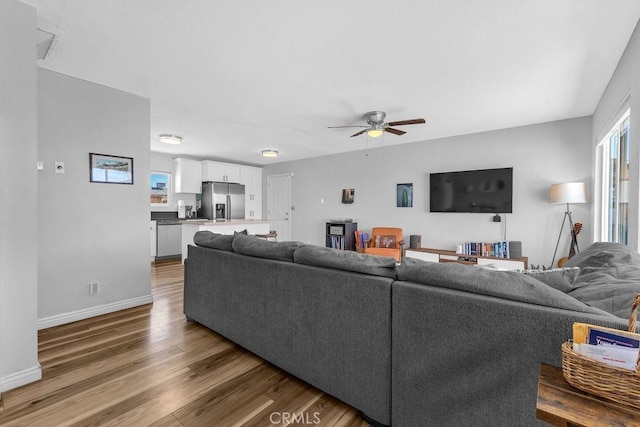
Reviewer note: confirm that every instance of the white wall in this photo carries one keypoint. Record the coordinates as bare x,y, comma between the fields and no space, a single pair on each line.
90,232
624,84
541,155
162,162
18,198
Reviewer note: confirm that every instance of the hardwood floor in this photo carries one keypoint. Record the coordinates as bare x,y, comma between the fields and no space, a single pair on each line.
149,366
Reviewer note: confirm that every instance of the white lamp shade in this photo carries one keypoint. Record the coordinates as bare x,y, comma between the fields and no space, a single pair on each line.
570,192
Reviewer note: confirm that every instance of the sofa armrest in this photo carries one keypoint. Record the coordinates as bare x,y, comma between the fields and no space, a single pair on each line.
460,358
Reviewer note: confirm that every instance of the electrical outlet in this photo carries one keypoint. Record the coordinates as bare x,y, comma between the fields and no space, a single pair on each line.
59,167
94,288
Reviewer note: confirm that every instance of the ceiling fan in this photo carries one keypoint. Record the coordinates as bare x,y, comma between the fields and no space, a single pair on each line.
377,126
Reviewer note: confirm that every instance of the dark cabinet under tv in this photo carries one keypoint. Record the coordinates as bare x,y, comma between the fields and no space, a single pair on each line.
341,235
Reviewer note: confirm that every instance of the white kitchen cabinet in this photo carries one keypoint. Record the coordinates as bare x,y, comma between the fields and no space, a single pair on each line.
253,209
169,241
220,171
251,178
187,176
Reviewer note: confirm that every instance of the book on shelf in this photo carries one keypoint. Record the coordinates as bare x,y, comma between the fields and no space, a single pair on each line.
361,238
337,242
500,249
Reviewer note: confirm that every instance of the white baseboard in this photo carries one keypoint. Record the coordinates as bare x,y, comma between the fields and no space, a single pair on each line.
19,378
74,316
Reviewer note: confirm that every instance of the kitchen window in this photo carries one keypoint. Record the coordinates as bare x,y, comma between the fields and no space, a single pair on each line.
160,188
613,152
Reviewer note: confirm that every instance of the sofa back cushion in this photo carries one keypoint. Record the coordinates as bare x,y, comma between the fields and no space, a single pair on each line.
260,248
212,240
345,260
501,284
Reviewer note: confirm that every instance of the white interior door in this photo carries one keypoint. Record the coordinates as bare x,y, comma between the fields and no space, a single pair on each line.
279,205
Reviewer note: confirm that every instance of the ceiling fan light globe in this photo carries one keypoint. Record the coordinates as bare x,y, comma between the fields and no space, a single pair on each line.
374,133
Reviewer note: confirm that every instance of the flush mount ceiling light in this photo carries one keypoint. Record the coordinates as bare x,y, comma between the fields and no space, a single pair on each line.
170,139
269,153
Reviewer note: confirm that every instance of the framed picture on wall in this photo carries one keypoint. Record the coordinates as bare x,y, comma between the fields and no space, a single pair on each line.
404,195
348,195
109,169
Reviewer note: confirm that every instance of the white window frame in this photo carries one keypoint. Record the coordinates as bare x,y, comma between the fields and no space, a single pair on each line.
621,196
169,189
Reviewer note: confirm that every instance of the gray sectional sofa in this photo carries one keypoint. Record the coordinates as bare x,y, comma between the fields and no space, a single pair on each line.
419,344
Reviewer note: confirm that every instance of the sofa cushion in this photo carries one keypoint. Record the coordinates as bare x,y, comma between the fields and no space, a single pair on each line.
609,277
561,279
260,248
345,260
501,284
214,240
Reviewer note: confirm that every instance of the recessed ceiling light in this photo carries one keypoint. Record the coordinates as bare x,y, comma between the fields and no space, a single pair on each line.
269,153
170,139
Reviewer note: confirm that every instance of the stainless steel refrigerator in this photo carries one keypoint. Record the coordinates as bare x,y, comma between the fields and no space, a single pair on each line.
222,201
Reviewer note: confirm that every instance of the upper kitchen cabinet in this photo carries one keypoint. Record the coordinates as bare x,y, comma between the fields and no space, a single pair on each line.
220,171
187,176
251,178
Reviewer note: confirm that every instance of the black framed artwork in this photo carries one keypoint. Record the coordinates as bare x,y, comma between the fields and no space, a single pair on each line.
108,169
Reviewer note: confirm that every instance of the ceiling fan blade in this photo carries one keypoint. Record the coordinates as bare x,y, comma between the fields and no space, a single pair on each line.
359,133
394,131
339,127
407,122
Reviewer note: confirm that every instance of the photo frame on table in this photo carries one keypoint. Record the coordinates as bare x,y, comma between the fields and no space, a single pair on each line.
108,169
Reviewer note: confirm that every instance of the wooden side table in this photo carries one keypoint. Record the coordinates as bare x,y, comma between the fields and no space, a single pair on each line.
563,405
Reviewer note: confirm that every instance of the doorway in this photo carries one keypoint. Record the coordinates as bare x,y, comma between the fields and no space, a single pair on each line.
279,205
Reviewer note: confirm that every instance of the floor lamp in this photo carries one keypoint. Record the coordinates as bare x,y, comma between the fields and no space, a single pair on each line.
570,192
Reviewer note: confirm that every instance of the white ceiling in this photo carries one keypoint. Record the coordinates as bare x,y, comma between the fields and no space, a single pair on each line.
235,77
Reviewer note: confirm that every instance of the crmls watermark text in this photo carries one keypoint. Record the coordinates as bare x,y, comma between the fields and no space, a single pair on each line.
292,417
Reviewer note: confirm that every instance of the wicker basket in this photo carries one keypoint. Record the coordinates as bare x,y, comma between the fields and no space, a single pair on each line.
616,384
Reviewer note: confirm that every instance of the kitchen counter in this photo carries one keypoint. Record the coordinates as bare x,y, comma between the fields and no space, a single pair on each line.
191,226
218,222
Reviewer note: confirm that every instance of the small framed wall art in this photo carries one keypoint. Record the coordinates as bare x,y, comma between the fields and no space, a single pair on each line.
404,196
109,169
348,195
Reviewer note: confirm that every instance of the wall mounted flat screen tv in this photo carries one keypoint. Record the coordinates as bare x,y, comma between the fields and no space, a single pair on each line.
482,191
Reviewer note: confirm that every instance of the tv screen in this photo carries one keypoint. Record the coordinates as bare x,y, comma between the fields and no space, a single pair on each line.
483,191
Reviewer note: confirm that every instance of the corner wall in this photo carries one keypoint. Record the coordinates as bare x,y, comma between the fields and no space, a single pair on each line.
18,198
90,232
540,155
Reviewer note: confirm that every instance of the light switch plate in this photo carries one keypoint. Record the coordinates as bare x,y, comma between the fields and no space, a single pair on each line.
40,165
59,167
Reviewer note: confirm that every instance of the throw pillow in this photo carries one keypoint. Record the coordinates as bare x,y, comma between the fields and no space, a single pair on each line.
558,278
385,241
